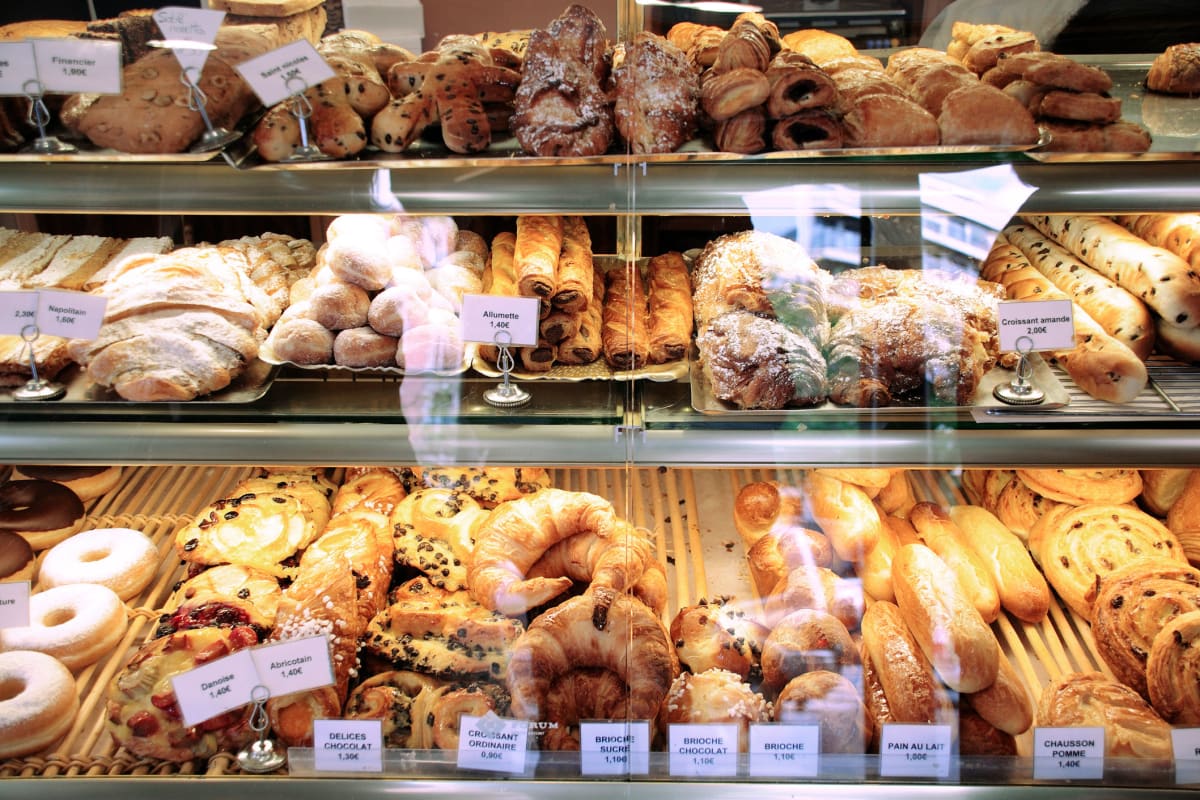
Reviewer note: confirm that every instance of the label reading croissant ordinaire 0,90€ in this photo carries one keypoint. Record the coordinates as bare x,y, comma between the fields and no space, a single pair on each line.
294,665
1186,745
1068,753
348,745
492,744
709,750
782,750
915,751
615,748
513,319
14,604
216,687
71,66
285,71
1033,325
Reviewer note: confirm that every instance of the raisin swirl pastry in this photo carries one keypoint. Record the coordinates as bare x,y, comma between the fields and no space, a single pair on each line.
1173,670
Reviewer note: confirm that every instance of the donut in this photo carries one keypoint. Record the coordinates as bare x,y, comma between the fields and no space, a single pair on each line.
77,623
87,482
16,558
122,559
339,305
38,702
364,347
43,512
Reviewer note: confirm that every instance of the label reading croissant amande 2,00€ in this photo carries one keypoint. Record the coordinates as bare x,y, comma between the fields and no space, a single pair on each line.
915,751
1065,753
1033,325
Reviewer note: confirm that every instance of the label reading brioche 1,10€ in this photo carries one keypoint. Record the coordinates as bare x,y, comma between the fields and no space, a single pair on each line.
513,319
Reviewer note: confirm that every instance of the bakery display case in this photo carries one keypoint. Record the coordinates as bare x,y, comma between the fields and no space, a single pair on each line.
826,543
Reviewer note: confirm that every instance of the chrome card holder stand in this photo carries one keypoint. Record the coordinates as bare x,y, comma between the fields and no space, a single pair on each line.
1020,391
301,108
212,138
507,394
36,388
261,756
39,116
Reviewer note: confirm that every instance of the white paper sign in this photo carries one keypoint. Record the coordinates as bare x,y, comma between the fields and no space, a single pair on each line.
17,310
780,751
492,744
615,748
286,71
17,68
76,315
348,745
1068,753
69,66
294,665
1186,744
14,604
1047,324
703,750
921,751
216,687
189,32
486,316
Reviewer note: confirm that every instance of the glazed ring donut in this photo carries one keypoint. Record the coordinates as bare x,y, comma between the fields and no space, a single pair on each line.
44,512
38,702
122,559
17,561
87,482
77,623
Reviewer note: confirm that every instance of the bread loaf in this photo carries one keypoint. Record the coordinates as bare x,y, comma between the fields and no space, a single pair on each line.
845,513
1022,588
1005,704
941,535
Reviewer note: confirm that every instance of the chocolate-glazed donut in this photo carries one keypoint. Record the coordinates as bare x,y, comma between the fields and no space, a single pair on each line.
42,512
16,557
87,482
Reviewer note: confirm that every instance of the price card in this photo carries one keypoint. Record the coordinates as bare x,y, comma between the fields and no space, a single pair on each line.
920,751
294,665
1068,753
348,745
216,687
17,68
285,71
17,310
493,744
70,66
703,750
189,32
14,604
780,751
1047,324
1186,743
615,748
76,315
484,316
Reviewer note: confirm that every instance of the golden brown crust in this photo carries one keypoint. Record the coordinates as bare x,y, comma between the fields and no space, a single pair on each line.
1022,588
669,299
1005,704
804,641
912,689
1131,728
715,696
1173,670
942,535
830,701
717,635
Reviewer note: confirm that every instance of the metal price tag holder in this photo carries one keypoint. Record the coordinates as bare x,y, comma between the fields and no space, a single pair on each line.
507,394
36,388
213,138
261,756
301,108
1020,391
39,116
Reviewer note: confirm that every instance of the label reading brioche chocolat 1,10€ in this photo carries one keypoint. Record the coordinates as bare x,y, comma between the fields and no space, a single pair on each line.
348,745
915,751
492,744
14,604
614,748
1065,753
779,750
703,750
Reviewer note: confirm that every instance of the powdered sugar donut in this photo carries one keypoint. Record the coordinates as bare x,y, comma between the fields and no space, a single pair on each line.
77,623
38,702
122,559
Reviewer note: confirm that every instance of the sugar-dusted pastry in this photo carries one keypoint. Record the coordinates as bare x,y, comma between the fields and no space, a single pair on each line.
1131,727
657,95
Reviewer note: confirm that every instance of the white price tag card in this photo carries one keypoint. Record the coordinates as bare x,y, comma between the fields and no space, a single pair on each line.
1068,753
294,665
780,751
492,744
70,66
348,745
216,687
285,71
1047,324
615,748
1186,744
75,315
189,32
17,68
17,310
485,316
915,751
703,750
14,604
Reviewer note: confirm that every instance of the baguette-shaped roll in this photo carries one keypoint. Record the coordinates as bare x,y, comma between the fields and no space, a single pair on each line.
914,693
535,255
875,570
1179,233
1178,341
1123,316
942,536
871,480
874,698
1162,280
1023,590
1099,364
626,342
897,496
499,279
573,289
845,514
670,308
1005,704
951,633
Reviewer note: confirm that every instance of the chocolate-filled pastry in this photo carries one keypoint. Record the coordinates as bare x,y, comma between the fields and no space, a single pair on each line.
587,344
797,84
884,120
1176,70
576,269
559,325
657,95
670,302
535,255
727,94
755,362
815,129
537,358
626,342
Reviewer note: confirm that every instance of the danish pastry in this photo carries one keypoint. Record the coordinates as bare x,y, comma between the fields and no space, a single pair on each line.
1131,728
1173,670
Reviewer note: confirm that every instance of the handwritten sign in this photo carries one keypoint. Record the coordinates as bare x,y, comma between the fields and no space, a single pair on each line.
189,32
783,750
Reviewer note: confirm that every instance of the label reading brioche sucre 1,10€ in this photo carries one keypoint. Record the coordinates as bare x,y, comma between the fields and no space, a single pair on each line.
285,71
14,604
17,68
348,745
1068,753
1186,745
216,687
708,750
75,315
915,751
78,66
294,665
1046,324
17,310
513,319
492,744
782,750
614,748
